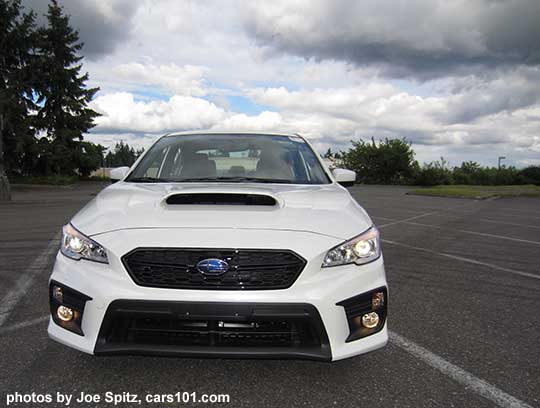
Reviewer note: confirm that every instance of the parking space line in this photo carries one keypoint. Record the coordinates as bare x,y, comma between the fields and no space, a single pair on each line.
383,218
10,300
470,381
480,219
427,214
528,217
509,223
518,210
483,234
372,209
407,219
22,325
462,259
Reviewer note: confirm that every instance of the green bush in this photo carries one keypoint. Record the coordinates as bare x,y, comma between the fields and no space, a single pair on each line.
388,162
531,175
433,174
392,162
51,180
474,174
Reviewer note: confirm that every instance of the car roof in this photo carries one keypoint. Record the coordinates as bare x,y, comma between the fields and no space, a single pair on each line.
234,132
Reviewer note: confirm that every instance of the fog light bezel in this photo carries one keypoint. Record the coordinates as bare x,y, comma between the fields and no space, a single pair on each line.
71,299
357,306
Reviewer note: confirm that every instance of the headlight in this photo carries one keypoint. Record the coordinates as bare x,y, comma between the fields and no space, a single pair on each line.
77,246
360,250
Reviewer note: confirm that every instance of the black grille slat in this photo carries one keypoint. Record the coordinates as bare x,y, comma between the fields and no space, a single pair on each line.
249,269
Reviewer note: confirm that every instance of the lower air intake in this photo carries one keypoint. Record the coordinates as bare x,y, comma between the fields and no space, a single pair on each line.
213,329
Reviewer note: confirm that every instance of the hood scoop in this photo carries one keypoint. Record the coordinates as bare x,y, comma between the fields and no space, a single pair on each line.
221,199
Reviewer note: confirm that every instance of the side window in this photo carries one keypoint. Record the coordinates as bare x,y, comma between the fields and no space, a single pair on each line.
313,169
155,163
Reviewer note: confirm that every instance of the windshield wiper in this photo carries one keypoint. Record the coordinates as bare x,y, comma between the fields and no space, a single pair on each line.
236,180
148,180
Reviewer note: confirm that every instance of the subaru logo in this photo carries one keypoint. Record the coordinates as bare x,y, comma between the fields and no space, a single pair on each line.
212,266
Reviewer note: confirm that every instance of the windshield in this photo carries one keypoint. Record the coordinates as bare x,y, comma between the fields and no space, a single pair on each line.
230,158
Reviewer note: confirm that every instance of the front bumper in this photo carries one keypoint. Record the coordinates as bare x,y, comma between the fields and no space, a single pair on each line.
314,297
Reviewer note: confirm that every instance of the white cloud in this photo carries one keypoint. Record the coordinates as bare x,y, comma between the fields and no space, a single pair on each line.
180,80
332,117
263,122
121,113
420,39
184,65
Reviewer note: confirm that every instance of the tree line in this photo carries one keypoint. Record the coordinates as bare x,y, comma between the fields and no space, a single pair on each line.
43,94
44,99
44,114
392,161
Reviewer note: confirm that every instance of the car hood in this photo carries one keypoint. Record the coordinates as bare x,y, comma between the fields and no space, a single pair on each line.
321,209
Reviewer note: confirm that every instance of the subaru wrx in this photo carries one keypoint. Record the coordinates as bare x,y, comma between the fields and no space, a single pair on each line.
222,245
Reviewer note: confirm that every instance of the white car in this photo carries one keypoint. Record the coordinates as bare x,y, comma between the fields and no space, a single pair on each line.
222,245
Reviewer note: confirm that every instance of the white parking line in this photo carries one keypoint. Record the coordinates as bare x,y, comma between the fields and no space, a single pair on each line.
407,219
509,223
428,213
471,382
460,258
508,214
481,220
10,300
382,218
518,210
22,325
483,234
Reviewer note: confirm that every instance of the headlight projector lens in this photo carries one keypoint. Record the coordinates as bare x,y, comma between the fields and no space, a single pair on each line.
76,244
362,248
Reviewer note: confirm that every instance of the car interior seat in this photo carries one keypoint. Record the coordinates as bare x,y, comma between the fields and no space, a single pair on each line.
198,165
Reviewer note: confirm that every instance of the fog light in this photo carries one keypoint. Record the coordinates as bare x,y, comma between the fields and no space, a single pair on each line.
370,320
58,295
64,313
377,300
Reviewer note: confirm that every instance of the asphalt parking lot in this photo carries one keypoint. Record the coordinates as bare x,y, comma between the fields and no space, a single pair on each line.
464,314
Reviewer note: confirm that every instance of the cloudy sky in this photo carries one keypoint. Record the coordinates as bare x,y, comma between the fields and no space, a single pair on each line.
460,79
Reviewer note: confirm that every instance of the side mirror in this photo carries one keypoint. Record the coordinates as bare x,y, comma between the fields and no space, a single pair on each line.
119,173
344,177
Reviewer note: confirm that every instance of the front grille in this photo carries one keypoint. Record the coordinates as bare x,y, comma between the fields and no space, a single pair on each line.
249,269
213,329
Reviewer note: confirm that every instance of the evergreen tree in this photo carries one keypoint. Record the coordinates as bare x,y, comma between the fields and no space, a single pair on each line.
90,157
328,154
16,79
63,98
123,155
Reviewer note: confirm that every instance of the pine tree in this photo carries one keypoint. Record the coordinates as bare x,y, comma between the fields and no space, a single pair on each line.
17,34
328,154
122,155
62,94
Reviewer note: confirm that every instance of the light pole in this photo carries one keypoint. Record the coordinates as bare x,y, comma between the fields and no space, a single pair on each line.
5,194
499,161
